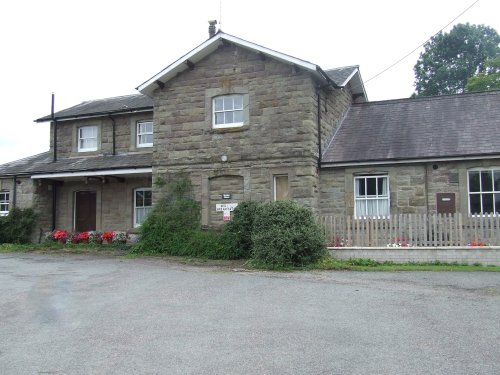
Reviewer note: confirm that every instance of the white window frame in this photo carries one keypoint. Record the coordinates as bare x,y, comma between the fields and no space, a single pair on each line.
4,203
136,224
224,111
481,192
139,133
80,138
376,197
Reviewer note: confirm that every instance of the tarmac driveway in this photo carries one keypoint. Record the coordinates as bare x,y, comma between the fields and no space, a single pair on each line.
80,314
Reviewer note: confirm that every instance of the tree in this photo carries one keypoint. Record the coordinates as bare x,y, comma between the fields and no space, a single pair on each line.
488,80
449,59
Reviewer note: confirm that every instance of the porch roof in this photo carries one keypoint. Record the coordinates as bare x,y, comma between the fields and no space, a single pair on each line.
42,164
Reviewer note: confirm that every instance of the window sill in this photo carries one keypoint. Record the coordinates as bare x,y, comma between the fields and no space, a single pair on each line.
230,129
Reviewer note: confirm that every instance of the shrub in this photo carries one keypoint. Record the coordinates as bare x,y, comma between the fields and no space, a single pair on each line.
238,231
17,226
286,234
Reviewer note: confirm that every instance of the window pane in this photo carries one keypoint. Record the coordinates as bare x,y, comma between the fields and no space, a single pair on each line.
238,116
486,181
281,187
148,138
487,203
473,181
228,103
496,178
371,186
139,198
382,186
229,118
149,127
383,207
238,102
148,198
475,203
219,118
218,104
360,187
360,208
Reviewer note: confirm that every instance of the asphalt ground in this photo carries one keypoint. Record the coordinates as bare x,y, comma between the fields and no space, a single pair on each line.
81,314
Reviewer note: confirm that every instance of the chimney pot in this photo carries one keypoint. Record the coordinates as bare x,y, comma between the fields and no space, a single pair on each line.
211,28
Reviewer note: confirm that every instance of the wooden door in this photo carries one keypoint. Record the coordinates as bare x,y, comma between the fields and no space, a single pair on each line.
85,211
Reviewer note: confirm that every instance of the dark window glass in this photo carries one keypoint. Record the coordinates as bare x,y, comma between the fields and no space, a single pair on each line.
475,204
361,188
487,203
474,181
486,181
496,178
371,186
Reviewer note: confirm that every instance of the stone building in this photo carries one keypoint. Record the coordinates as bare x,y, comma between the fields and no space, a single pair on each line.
248,123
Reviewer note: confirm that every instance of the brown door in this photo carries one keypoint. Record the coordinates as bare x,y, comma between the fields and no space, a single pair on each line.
85,211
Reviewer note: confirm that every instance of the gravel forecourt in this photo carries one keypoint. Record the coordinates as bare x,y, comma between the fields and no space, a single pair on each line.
89,314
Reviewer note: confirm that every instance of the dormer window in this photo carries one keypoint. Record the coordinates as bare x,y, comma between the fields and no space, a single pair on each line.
87,138
145,134
227,111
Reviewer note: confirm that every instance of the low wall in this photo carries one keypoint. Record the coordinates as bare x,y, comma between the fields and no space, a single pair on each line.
488,255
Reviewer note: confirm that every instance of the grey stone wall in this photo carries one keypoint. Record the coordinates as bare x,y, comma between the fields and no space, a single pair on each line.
125,135
413,187
462,255
279,135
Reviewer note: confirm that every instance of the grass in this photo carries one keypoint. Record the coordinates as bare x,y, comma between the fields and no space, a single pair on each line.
326,263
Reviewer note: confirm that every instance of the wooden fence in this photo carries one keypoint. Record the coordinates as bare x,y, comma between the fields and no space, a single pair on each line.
412,230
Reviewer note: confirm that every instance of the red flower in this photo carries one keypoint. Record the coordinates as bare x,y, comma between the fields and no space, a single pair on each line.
108,236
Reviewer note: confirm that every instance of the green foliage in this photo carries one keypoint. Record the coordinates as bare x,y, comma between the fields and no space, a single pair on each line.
286,234
451,58
488,80
173,226
17,226
238,231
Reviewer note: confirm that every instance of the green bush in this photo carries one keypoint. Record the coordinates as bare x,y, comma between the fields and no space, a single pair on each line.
173,227
17,226
285,235
238,231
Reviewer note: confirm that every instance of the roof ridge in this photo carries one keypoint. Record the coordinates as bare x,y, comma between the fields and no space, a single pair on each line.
343,67
429,98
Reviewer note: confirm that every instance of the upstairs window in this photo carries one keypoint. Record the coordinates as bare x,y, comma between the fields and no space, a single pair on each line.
371,196
4,203
484,191
227,111
143,204
145,134
87,138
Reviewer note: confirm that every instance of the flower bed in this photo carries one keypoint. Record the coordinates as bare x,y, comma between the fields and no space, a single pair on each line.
91,237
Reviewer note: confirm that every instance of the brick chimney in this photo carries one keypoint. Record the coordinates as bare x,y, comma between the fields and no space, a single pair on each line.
211,28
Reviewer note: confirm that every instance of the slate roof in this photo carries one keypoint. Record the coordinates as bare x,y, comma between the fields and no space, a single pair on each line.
42,164
340,75
435,127
99,107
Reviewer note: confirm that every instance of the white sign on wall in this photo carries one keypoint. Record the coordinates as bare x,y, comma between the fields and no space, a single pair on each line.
226,208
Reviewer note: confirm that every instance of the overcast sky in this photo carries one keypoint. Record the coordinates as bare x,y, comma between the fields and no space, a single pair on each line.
93,49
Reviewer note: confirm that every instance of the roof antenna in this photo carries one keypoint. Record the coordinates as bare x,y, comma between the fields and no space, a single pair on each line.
220,15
